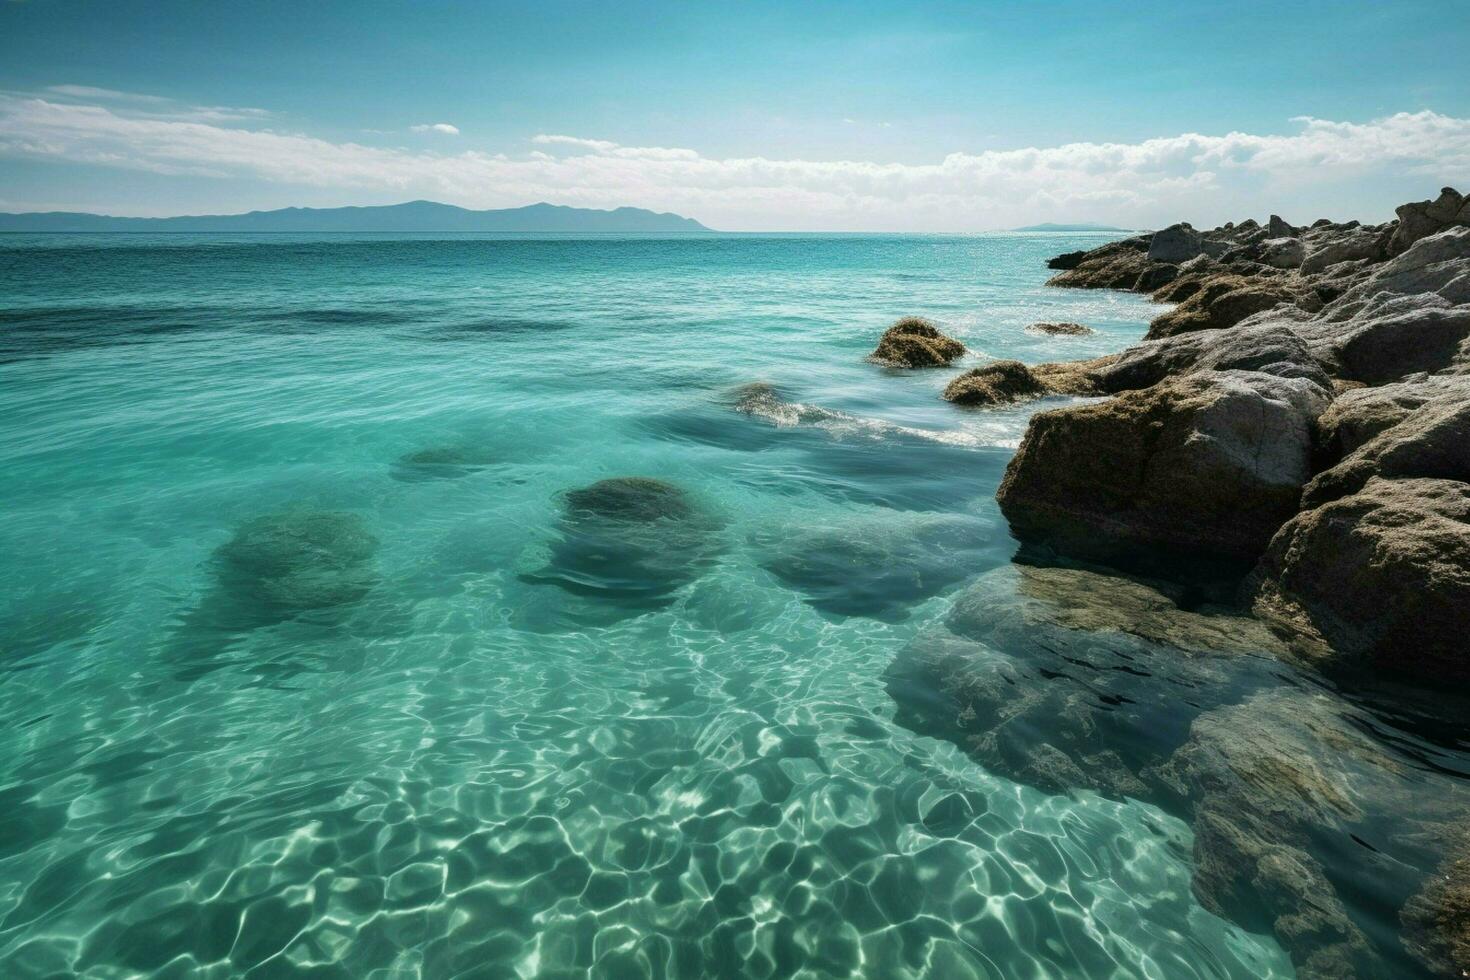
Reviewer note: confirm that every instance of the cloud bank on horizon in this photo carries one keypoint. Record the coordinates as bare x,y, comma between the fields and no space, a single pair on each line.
1203,178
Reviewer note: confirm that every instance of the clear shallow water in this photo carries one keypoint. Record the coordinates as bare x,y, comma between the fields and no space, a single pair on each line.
488,755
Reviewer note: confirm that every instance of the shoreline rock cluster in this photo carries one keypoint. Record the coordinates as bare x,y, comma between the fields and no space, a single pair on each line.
1272,486
1301,420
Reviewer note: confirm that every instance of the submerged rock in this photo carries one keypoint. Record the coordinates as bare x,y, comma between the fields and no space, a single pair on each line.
298,560
631,542
916,342
1060,330
1378,579
440,463
1209,464
1065,678
1437,919
875,568
1268,783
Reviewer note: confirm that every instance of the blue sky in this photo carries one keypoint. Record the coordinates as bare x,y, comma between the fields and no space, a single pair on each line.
909,116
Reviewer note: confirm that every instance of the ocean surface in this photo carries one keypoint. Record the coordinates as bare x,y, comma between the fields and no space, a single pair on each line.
325,648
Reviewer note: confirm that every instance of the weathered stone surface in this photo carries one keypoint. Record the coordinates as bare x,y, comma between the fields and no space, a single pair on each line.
916,343
1437,919
1269,348
1263,779
1388,337
1276,227
1283,253
1424,218
999,383
1325,251
1431,439
1220,302
1176,243
1060,329
1378,579
1356,416
1208,464
1438,264
1117,265
1065,678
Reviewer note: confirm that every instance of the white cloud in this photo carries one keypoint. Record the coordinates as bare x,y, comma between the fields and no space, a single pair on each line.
1190,176
444,128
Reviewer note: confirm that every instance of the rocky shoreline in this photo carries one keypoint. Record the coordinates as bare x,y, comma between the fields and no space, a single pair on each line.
1302,414
1242,562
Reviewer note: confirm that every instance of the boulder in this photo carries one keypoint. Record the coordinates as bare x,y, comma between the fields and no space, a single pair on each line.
1219,302
878,567
296,561
1389,337
1379,579
1330,250
1276,227
1421,219
1060,330
1066,678
999,383
1067,260
1176,243
629,542
1116,265
1206,465
1283,253
1266,780
1270,348
915,342
1358,415
1438,264
1431,439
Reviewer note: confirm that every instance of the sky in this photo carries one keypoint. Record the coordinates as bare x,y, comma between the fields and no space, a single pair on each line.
855,116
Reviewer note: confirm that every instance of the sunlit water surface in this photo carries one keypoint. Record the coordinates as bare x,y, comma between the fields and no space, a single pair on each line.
501,735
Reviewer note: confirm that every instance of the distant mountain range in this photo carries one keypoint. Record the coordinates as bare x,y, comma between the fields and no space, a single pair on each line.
414,216
1082,227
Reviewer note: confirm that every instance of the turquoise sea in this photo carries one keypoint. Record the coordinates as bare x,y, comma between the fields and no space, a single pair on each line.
324,650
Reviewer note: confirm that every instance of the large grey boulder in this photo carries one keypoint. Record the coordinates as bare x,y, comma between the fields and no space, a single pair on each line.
1421,219
1176,243
1431,439
1206,465
1438,264
1283,253
1379,580
1388,336
1270,348
1356,416
1221,301
1332,249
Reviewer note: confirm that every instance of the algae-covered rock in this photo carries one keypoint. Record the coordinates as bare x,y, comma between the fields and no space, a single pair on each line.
1000,383
299,560
631,542
1047,329
1377,579
1209,464
916,343
876,568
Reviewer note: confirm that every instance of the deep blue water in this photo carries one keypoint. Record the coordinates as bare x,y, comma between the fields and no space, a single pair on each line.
315,658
